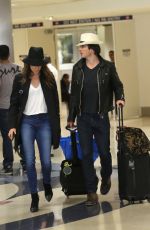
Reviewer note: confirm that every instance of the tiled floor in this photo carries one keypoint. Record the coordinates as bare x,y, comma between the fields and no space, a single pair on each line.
69,214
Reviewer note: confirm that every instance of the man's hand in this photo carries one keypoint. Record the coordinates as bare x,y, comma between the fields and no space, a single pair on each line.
120,102
70,124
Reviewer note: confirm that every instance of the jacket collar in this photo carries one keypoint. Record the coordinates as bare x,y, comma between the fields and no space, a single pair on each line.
81,62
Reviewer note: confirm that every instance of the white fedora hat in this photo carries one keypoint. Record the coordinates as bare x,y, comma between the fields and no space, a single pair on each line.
89,38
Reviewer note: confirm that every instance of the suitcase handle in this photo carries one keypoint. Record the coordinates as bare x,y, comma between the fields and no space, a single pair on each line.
71,129
120,115
120,127
73,142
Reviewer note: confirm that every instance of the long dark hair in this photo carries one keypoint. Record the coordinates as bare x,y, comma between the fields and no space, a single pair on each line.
45,74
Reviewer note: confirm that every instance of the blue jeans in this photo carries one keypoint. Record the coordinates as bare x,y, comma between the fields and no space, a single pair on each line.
7,144
36,127
90,125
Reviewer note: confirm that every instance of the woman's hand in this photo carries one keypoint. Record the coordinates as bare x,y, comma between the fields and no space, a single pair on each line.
12,133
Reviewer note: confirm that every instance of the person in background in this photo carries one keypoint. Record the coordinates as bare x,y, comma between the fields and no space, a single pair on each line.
65,85
34,115
112,59
8,70
94,80
112,56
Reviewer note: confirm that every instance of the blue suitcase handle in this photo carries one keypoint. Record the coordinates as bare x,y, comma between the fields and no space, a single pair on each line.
72,129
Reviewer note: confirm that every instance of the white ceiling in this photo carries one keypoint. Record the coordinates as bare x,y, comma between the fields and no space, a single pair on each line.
39,10
27,3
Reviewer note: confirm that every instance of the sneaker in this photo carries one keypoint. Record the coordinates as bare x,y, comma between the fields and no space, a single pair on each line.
7,171
105,186
92,199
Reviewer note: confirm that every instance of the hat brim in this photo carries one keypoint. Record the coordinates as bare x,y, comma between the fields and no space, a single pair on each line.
35,62
89,43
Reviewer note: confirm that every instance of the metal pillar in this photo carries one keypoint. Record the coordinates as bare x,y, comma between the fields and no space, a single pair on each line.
6,25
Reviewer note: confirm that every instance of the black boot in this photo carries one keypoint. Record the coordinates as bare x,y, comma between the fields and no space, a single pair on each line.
105,185
48,192
35,202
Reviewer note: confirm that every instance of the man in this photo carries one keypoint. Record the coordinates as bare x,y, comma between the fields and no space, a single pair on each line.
8,71
112,56
93,82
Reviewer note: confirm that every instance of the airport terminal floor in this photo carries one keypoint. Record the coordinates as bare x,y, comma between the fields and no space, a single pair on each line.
64,213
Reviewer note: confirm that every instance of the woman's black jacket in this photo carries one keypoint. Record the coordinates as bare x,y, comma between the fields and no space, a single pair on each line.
108,83
18,102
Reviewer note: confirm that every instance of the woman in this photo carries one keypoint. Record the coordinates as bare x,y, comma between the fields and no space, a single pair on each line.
34,115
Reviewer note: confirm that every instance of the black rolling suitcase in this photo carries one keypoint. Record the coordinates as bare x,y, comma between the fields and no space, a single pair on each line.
133,163
71,174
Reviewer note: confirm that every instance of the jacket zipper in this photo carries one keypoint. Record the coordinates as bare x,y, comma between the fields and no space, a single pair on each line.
81,92
98,89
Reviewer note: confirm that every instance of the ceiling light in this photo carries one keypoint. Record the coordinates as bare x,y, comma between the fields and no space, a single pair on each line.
50,18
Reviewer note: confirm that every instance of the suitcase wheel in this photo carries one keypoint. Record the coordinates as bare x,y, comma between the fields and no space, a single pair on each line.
148,198
131,201
121,203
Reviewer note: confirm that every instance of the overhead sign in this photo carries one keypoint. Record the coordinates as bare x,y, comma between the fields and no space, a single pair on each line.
92,20
27,25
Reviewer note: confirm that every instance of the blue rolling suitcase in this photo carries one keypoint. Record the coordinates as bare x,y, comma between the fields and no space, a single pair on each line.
71,174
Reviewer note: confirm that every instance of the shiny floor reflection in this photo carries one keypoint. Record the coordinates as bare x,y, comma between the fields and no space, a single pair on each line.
70,213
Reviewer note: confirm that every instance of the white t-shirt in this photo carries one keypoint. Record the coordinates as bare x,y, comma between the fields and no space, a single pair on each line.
36,101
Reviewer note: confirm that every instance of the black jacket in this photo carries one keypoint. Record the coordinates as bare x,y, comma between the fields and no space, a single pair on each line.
108,83
18,102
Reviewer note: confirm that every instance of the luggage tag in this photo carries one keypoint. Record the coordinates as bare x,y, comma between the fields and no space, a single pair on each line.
67,170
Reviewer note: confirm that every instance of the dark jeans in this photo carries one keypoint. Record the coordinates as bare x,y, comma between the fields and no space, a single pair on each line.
6,144
22,156
36,127
90,125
